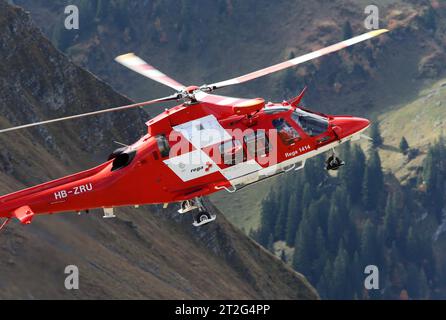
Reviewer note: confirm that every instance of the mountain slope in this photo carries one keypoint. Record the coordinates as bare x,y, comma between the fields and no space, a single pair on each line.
206,41
145,253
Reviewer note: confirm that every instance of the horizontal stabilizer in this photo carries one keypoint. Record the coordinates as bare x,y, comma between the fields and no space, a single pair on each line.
24,214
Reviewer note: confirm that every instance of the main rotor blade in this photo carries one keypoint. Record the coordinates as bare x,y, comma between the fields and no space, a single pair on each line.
136,105
298,60
138,65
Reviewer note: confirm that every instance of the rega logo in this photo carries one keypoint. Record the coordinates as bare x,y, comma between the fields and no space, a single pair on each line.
197,169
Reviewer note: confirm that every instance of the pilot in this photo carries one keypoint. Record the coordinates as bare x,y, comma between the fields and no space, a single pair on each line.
286,133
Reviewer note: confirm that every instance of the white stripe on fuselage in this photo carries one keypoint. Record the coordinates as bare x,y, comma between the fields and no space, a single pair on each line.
192,165
203,132
241,170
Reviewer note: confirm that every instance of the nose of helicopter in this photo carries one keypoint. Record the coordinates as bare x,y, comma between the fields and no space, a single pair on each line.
347,126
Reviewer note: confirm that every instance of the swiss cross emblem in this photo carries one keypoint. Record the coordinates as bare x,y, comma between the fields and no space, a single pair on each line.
208,166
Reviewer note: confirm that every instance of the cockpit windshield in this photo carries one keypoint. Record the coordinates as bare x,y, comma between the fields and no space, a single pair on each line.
311,123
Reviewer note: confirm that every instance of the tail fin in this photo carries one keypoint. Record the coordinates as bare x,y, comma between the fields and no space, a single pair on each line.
295,101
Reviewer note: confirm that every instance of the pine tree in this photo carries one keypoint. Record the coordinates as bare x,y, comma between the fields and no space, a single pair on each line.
321,216
345,176
322,256
429,19
283,256
369,242
412,281
185,34
87,12
324,285
340,278
306,197
314,175
358,167
404,146
342,198
352,178
281,213
381,248
222,7
102,9
183,39
373,184
62,37
270,244
413,252
303,248
347,31
335,229
375,134
267,219
390,220
357,280
290,82
434,175
293,219
423,285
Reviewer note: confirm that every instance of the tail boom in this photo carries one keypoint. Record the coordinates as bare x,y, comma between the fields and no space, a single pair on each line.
70,193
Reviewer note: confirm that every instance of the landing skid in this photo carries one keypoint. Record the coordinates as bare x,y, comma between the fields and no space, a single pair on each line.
202,216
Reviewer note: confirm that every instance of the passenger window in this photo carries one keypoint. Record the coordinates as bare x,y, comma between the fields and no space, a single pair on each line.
231,152
257,143
163,145
286,132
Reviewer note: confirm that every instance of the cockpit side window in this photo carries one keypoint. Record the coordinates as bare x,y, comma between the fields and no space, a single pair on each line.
163,145
286,132
311,123
275,110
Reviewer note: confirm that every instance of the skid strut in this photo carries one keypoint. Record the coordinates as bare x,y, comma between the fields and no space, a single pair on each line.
202,216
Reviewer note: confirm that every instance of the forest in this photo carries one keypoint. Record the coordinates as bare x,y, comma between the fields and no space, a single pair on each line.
338,225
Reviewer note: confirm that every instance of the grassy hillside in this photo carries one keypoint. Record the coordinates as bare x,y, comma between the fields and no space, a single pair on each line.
421,121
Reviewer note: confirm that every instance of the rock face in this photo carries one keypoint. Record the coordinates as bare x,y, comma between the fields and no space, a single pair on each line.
145,253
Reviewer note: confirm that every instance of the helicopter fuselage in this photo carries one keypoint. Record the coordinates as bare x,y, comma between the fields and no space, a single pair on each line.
193,150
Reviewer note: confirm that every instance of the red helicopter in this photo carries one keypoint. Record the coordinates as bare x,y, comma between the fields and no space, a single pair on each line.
207,144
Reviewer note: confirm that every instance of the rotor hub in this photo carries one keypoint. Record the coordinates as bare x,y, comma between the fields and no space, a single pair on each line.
191,89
